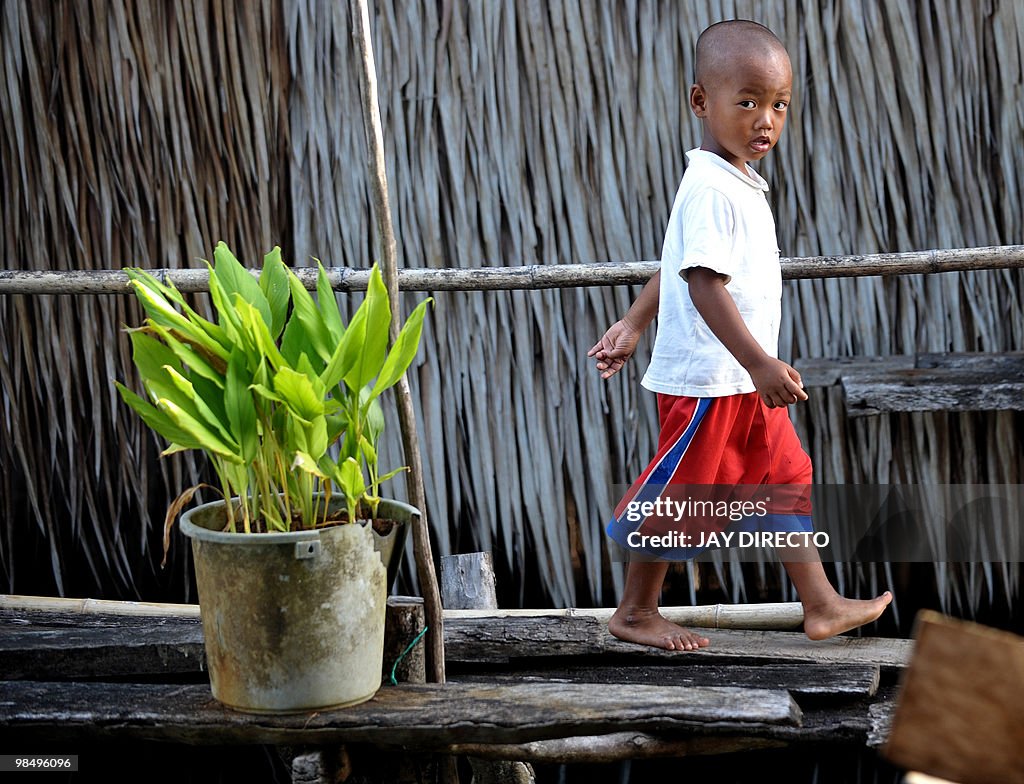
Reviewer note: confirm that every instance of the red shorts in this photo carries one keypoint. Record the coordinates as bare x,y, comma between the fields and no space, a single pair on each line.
717,444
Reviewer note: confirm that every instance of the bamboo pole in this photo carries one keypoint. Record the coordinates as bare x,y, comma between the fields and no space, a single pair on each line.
57,604
536,276
768,616
778,616
389,271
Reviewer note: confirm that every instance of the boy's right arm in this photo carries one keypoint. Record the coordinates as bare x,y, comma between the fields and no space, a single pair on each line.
777,383
619,342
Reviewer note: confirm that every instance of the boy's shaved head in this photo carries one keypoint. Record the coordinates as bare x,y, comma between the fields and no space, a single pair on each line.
719,46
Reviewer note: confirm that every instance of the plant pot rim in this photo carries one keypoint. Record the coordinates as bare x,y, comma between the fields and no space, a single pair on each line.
395,510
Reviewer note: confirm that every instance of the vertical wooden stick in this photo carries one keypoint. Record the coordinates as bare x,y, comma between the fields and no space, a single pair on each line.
389,271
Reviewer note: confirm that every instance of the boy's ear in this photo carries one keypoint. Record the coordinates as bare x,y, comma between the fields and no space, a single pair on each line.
698,101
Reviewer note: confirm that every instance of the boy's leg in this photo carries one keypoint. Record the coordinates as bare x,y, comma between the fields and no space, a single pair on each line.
826,613
637,619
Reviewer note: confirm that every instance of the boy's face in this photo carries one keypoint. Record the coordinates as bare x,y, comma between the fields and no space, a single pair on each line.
743,106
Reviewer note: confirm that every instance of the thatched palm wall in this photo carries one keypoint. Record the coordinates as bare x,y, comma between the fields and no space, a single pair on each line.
517,133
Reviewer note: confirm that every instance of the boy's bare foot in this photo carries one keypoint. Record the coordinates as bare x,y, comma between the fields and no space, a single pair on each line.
840,615
647,626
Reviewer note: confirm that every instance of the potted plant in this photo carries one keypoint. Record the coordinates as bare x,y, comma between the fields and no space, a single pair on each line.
283,398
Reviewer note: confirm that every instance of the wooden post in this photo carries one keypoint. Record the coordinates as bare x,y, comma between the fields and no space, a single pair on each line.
389,271
405,620
467,583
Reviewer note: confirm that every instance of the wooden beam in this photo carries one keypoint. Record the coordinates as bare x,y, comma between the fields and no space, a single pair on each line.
821,681
943,389
956,381
424,716
829,371
848,723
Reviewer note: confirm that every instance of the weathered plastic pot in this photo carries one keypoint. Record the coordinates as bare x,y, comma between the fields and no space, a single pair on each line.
292,621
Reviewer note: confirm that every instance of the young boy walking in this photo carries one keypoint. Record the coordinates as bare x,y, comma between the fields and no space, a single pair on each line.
722,391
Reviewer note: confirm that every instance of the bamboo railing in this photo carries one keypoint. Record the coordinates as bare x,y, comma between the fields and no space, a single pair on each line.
534,276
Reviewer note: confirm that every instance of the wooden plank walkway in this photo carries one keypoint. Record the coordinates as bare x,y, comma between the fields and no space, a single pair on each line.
35,645
515,680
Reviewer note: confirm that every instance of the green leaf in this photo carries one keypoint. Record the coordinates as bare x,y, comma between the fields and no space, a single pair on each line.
390,474
224,304
305,366
368,451
305,310
236,279
374,415
207,439
173,449
352,481
241,410
197,363
200,409
162,313
306,462
294,342
157,420
150,356
403,352
303,396
328,302
257,332
274,285
269,394
212,394
344,356
335,427
371,320
317,437
171,293
151,281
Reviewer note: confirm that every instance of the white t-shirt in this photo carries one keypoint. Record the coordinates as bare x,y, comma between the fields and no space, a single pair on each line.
720,220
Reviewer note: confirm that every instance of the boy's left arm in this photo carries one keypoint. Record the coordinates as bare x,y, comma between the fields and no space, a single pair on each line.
619,341
776,382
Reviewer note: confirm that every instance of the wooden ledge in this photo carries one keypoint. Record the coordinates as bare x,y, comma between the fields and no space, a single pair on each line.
922,382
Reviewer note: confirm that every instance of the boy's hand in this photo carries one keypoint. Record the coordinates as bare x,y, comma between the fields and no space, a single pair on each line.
777,383
615,347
